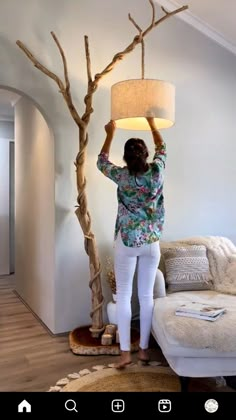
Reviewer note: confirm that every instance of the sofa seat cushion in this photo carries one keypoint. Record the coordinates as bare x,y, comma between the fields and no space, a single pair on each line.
181,335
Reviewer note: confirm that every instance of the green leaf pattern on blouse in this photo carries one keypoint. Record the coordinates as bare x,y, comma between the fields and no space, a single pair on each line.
141,212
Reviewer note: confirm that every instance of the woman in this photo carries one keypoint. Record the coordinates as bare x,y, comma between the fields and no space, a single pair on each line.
138,228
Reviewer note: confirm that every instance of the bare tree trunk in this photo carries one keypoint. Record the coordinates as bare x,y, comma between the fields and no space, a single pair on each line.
84,218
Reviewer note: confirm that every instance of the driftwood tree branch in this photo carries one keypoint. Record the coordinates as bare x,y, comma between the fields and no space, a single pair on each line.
164,10
142,42
135,24
87,52
82,212
40,66
63,88
90,87
153,12
64,64
137,39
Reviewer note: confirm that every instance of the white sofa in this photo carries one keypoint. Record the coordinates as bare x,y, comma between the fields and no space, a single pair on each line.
192,347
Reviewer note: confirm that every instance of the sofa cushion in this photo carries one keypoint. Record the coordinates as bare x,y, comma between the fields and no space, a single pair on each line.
186,268
177,335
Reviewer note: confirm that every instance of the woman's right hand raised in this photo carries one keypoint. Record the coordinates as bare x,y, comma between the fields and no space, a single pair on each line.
110,127
151,122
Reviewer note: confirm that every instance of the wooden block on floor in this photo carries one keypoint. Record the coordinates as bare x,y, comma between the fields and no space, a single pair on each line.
106,339
111,329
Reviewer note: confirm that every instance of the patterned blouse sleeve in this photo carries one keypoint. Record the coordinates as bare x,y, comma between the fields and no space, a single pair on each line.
159,158
107,168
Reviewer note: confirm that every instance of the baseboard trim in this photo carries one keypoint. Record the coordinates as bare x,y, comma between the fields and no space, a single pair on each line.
64,334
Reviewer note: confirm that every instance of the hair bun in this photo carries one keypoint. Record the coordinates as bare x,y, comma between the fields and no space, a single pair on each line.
135,155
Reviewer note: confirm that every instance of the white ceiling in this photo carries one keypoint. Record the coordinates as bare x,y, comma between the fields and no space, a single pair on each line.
215,18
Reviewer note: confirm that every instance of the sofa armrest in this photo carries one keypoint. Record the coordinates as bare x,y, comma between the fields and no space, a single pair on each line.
160,285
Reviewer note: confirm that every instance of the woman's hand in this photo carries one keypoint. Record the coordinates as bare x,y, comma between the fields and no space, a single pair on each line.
157,138
110,130
110,127
151,122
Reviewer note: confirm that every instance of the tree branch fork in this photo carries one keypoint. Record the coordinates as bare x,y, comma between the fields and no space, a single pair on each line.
82,122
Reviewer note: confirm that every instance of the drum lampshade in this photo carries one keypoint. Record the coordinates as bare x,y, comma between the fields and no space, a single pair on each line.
134,100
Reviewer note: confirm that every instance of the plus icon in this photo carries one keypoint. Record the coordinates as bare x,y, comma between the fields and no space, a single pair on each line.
117,406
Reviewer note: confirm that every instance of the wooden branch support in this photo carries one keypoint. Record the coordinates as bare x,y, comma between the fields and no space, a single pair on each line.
82,212
109,335
106,339
111,329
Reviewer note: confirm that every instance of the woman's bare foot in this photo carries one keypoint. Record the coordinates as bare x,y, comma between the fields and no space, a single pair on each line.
125,359
143,355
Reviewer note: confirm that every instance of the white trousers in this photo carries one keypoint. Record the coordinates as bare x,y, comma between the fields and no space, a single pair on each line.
147,258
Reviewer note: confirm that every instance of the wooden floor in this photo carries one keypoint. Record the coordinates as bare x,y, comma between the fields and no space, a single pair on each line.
31,359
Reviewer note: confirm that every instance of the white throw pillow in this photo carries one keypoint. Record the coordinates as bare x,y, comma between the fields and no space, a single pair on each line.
187,268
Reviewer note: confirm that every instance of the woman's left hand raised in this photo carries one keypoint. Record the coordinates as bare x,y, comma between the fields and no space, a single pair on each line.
110,127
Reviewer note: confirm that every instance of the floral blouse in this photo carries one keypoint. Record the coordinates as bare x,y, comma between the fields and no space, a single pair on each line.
140,216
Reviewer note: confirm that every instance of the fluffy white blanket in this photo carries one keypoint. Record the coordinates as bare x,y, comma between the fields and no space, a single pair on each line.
190,332
221,253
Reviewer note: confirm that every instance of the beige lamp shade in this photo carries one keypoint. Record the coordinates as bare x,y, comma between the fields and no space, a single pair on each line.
134,100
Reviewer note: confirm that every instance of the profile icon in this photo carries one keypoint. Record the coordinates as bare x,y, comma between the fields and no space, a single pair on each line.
211,406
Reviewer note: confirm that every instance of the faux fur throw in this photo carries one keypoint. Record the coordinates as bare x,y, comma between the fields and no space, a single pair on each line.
221,253
196,333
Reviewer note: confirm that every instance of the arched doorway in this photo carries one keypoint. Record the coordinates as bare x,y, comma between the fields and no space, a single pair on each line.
31,204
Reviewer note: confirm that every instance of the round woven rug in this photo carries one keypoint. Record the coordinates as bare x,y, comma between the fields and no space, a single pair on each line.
134,378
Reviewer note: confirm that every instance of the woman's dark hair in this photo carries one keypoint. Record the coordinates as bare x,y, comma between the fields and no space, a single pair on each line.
135,155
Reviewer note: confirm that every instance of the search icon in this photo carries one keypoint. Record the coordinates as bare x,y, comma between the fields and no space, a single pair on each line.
70,405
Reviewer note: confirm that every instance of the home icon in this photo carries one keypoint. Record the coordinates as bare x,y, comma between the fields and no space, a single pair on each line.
24,407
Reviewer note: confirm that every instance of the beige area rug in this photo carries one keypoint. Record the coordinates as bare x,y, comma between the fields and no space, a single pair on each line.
134,378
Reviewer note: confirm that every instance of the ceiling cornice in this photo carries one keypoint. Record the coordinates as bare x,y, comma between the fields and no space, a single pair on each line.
199,24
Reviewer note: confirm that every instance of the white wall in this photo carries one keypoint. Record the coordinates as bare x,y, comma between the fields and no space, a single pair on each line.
34,221
12,206
4,206
200,174
6,129
6,219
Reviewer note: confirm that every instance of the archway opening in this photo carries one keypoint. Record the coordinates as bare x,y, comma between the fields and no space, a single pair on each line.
27,204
